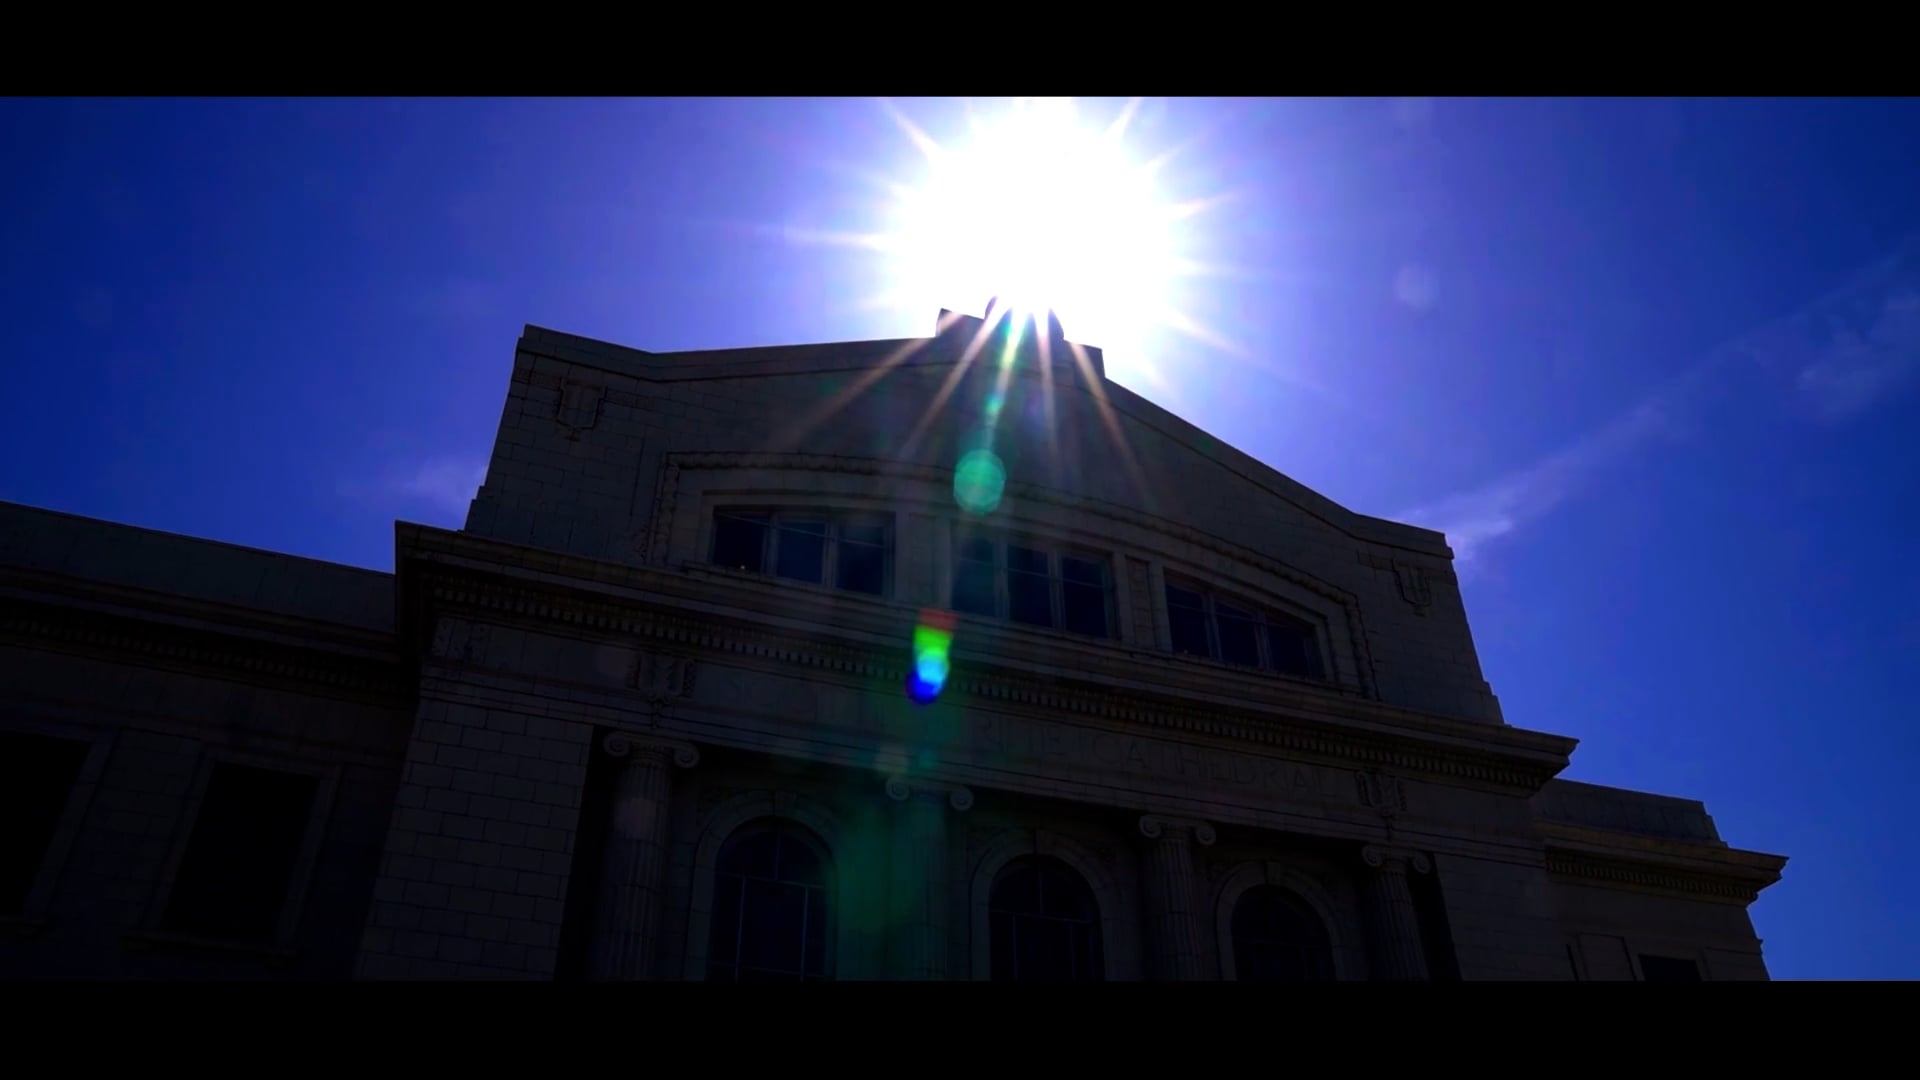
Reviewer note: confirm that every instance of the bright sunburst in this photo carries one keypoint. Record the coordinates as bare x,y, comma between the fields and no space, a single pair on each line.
1044,212
1045,208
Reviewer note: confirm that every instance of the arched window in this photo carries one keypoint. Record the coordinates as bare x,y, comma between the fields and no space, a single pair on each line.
1278,938
772,909
1044,923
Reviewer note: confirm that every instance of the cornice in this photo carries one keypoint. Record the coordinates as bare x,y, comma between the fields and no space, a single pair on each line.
194,645
1652,864
1647,877
1502,757
653,544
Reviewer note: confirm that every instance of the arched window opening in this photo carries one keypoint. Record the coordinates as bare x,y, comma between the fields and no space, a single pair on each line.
1278,938
772,908
1044,923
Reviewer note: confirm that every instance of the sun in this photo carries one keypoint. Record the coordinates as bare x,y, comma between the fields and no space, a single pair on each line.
1046,212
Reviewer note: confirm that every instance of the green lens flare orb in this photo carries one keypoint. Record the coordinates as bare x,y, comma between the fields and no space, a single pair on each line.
979,481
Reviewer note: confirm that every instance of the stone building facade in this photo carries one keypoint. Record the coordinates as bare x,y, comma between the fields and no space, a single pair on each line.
645,715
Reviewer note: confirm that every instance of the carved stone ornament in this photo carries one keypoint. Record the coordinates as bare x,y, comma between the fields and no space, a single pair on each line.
1154,827
1381,792
578,409
1415,587
1395,860
661,678
899,790
620,744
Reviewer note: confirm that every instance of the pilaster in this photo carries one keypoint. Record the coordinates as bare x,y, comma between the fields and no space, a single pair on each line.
1172,885
917,916
627,919
1393,924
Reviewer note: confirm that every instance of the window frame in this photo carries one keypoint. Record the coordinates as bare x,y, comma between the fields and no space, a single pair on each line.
1092,924
790,831
1056,580
1319,955
36,908
151,926
1266,616
1677,958
834,518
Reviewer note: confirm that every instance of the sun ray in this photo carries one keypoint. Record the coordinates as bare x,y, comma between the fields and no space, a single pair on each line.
946,391
884,243
922,141
790,437
1103,408
1117,131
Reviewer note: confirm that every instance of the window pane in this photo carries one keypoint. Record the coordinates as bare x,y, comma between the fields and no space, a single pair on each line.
1030,599
864,534
975,549
800,551
1044,950
1044,923
1278,938
1239,636
1000,928
1082,571
774,927
1295,649
1185,598
1189,629
36,777
1668,969
739,542
726,927
861,567
1085,609
973,588
233,878
798,863
1026,560
816,965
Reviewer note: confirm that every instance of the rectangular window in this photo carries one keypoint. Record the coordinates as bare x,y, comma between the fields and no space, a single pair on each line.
234,876
815,547
1668,969
1218,629
1034,586
37,774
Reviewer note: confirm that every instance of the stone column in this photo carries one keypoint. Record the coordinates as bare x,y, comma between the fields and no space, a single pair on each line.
627,915
1393,926
917,887
1174,930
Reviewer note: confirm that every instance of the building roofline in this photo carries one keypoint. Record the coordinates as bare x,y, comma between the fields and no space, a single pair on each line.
771,360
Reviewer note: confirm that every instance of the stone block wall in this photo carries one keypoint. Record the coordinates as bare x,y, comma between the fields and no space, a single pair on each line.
587,427
479,849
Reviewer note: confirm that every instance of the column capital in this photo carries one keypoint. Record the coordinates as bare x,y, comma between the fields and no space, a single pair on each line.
623,744
1394,860
1159,826
958,797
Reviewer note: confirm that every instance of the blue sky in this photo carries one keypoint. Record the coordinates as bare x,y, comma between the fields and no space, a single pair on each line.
1654,365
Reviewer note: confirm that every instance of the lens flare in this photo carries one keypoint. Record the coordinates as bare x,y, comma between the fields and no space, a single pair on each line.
978,481
932,640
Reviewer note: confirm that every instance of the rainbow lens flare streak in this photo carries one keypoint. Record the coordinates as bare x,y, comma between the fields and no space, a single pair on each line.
932,643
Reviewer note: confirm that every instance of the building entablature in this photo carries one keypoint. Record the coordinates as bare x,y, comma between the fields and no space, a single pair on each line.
754,624
90,617
1691,870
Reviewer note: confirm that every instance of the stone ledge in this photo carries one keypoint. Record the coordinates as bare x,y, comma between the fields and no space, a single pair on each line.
1328,726
116,634
1668,867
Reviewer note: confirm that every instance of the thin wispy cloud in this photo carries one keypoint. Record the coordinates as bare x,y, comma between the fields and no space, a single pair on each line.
443,484
1851,350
